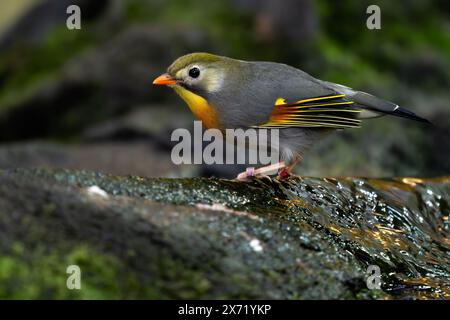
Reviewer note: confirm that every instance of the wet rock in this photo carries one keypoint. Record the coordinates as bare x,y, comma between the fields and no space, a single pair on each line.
209,238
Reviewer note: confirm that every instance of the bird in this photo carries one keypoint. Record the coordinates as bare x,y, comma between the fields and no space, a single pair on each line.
227,93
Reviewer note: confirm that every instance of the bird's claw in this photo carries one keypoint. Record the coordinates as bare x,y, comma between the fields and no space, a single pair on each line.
283,174
262,172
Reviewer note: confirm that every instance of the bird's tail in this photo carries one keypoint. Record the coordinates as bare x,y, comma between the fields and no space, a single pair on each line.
376,107
404,113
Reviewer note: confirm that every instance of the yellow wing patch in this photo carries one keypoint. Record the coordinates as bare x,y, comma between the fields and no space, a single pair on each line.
326,111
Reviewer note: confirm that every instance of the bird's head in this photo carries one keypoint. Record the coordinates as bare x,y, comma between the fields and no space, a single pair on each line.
201,73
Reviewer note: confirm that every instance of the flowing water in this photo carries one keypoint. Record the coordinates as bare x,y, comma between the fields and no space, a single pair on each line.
400,225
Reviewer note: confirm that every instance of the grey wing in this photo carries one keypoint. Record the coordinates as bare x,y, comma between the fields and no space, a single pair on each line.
289,83
253,101
297,99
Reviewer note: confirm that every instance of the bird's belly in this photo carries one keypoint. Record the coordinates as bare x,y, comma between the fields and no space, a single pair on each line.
199,107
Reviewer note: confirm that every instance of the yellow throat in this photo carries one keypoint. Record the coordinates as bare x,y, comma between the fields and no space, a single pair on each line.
199,107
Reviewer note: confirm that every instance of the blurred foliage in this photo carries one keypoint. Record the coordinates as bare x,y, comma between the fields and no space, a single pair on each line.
414,32
9,11
410,30
343,51
26,67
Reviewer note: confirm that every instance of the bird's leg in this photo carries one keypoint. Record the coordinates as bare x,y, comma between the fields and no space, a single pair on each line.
252,172
285,172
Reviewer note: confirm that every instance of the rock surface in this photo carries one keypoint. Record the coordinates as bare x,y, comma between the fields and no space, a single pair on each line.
303,238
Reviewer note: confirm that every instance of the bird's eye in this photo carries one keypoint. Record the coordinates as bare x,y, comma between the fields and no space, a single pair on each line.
194,72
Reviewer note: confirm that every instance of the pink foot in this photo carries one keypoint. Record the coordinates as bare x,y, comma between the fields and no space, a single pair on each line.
248,173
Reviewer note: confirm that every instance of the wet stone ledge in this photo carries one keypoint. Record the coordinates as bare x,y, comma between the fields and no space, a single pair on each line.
303,238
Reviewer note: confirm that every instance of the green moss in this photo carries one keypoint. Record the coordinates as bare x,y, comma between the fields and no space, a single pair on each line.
372,295
41,274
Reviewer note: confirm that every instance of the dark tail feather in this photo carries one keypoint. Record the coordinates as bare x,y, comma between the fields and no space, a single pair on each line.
380,106
400,112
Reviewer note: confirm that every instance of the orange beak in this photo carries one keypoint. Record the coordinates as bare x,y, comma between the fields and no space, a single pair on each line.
164,80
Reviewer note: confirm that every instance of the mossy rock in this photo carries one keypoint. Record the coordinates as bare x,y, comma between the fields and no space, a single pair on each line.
206,238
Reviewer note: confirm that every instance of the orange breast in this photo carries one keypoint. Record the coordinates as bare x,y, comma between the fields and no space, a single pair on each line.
199,107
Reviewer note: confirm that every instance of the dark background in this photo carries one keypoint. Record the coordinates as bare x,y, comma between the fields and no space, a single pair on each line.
84,98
